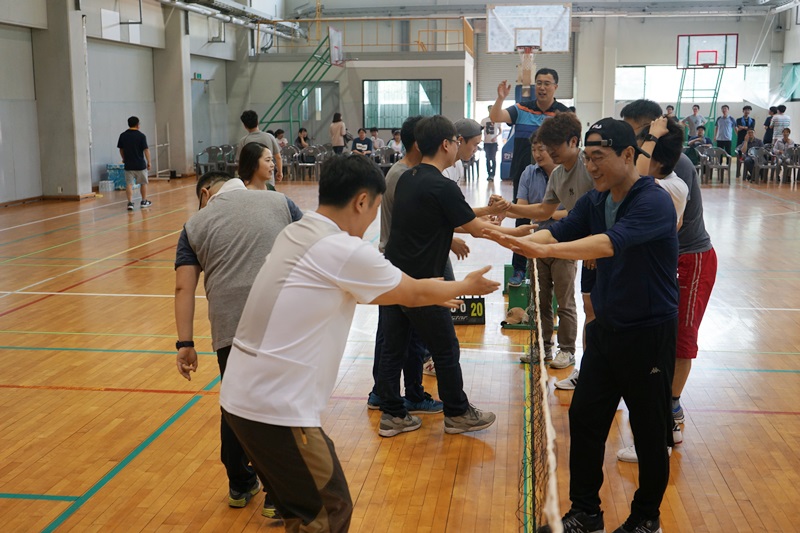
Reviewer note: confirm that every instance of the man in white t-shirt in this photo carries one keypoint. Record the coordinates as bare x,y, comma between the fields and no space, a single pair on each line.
285,357
491,132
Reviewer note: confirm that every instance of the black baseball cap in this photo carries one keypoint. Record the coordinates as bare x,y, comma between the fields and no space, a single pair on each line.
615,133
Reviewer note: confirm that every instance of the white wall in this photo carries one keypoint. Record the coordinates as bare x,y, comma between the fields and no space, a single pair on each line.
120,86
198,39
29,13
20,168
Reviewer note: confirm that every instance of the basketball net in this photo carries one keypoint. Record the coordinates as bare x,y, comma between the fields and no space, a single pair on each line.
526,68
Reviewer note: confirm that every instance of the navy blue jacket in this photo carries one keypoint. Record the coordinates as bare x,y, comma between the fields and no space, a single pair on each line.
638,286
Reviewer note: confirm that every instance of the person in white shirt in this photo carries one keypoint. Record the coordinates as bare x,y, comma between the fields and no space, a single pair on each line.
491,132
377,142
396,144
286,353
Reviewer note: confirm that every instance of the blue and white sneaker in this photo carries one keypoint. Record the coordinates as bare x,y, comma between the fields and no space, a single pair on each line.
517,279
425,407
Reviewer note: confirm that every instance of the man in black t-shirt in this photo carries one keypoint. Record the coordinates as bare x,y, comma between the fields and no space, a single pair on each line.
526,117
427,208
135,154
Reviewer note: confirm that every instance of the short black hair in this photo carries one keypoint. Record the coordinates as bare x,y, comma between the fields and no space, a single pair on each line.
773,109
701,128
671,107
362,129
558,130
545,72
373,129
210,178
781,108
725,106
250,119
695,105
249,159
786,129
343,177
745,108
133,122
278,132
407,132
431,131
669,147
641,110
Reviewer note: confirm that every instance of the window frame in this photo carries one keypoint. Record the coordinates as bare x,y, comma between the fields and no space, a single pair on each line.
391,126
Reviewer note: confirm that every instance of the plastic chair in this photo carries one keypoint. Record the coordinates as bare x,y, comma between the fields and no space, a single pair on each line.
765,164
791,164
213,158
306,163
720,160
289,157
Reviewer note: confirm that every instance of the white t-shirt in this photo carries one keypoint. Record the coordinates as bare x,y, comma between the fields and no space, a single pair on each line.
678,191
491,130
285,358
455,173
377,142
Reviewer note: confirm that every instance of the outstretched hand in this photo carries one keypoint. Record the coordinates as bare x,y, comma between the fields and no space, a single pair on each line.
479,285
520,246
524,230
460,248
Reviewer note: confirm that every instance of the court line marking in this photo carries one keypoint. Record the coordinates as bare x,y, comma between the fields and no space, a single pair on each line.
49,497
110,295
111,474
85,280
93,236
90,209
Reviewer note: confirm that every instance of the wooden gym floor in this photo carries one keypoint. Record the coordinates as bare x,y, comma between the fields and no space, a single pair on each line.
100,433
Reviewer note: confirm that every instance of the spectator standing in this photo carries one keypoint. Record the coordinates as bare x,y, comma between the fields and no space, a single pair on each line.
723,131
768,133
694,120
746,122
249,120
135,155
338,131
491,132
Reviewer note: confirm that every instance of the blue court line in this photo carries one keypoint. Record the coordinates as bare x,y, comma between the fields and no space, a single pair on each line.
77,504
48,497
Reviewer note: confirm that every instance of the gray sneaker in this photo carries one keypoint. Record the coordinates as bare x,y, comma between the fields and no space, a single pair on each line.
563,359
473,420
393,425
526,357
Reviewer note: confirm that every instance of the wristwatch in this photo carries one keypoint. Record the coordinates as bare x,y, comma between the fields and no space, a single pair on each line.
184,344
650,137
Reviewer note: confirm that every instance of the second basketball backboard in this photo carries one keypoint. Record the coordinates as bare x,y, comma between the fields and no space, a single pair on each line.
708,51
545,28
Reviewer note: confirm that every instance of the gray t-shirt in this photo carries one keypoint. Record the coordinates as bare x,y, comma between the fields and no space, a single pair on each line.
693,121
692,237
724,128
566,186
392,177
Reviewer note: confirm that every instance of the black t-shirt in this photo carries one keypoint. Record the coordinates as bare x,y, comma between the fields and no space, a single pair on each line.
427,207
133,144
526,117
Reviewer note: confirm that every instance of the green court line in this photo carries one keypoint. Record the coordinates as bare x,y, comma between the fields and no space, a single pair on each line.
48,497
85,497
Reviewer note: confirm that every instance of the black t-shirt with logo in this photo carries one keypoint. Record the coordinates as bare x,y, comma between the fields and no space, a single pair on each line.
133,144
427,208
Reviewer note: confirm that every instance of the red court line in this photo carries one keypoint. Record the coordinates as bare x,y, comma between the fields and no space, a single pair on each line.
109,389
23,306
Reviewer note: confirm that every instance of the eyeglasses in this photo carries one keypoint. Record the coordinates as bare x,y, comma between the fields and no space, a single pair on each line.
545,84
454,141
597,158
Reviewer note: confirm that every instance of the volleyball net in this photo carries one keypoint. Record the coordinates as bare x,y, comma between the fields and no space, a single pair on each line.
538,481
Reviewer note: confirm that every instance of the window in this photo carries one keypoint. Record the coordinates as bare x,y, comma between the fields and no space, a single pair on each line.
662,83
388,103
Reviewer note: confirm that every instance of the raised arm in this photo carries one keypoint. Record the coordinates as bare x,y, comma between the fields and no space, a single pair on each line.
498,114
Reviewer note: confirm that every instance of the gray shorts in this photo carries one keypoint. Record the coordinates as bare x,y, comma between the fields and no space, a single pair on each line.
139,175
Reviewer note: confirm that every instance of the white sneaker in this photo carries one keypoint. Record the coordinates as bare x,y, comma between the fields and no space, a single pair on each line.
570,382
628,455
428,368
563,359
677,434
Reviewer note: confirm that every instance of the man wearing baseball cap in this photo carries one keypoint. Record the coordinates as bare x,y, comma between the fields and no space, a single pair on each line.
627,223
468,133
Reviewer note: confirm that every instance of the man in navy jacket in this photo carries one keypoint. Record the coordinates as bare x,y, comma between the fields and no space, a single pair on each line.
628,224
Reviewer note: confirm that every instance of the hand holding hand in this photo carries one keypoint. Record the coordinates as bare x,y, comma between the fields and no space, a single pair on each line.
524,230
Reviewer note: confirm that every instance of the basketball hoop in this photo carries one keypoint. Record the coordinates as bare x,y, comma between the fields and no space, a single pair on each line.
526,67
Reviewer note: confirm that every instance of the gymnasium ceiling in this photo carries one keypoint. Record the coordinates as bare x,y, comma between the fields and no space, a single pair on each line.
584,8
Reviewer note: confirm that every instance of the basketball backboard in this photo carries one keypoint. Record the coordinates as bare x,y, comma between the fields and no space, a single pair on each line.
336,43
708,51
545,28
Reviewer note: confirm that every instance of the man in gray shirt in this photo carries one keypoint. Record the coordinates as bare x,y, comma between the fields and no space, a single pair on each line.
694,120
249,119
229,241
567,183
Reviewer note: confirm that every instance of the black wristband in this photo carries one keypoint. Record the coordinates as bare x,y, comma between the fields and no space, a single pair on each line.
184,344
650,137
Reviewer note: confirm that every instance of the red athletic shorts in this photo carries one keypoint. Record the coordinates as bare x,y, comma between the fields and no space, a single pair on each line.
696,275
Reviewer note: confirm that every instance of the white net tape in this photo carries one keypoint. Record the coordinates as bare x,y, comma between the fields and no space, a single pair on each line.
552,509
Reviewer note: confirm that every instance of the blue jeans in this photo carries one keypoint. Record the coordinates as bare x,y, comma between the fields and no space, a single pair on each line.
434,325
412,370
